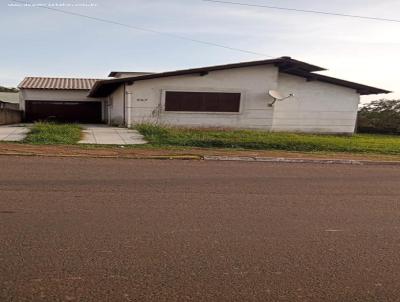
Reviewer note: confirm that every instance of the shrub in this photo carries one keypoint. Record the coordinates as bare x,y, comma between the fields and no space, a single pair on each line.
381,116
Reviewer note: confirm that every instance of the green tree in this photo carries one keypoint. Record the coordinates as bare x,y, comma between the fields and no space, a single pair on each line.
382,116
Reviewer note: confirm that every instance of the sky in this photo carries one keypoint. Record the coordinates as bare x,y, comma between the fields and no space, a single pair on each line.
40,42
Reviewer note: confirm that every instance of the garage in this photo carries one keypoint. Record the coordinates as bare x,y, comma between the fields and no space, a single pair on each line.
67,111
62,100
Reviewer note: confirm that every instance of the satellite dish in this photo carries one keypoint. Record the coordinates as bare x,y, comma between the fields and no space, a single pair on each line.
277,96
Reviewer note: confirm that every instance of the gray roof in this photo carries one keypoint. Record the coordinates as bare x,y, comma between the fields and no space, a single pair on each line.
57,83
114,74
285,64
9,97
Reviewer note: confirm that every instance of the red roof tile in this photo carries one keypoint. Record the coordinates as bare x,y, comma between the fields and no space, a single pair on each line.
57,83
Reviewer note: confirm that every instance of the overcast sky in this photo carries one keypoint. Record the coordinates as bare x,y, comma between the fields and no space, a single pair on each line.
40,42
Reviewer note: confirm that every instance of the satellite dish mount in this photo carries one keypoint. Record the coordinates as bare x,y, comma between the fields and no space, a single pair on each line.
277,96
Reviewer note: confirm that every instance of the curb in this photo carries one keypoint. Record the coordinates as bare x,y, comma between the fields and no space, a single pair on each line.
301,160
221,158
155,157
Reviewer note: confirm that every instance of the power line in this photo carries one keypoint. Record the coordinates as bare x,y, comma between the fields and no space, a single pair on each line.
304,11
145,29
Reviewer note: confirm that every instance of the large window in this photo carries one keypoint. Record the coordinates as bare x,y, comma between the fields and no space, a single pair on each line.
202,101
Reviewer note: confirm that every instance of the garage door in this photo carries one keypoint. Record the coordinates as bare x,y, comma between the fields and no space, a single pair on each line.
71,112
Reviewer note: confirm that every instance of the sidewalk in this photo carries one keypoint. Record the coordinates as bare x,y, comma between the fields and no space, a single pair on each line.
13,133
105,135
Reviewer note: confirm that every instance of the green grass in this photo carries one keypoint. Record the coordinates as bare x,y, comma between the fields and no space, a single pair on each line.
261,140
53,134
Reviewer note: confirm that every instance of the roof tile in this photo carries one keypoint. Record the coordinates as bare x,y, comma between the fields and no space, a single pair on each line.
57,83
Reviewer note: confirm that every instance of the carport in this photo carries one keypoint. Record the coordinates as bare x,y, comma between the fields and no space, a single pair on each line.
62,100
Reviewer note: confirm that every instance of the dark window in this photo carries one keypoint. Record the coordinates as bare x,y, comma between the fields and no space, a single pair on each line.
202,101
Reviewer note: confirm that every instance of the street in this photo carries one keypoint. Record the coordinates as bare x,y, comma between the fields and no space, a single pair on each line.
79,229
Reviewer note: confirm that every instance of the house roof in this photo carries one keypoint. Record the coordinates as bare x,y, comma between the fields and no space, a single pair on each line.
361,89
57,83
285,64
114,74
9,97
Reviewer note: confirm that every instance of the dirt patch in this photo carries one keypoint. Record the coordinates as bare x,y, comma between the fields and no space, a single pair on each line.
143,152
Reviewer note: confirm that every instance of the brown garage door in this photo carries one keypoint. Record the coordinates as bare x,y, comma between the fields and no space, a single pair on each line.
71,112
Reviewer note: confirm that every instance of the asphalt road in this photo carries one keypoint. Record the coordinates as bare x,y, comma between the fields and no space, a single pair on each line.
133,230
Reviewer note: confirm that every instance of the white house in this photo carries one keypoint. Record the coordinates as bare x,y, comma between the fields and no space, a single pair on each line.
229,96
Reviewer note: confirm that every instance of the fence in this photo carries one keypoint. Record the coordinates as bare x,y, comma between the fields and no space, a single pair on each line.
10,116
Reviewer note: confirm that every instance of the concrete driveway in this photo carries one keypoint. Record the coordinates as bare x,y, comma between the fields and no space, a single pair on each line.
105,135
13,133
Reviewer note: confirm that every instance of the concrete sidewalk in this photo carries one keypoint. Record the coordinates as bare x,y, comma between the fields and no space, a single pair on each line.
105,135
13,133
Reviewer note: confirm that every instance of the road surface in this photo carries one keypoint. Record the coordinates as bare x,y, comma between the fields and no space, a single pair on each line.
136,230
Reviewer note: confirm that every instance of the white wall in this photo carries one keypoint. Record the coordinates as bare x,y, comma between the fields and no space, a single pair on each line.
252,82
116,107
53,95
316,107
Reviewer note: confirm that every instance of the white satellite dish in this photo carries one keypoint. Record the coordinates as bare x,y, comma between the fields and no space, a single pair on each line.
277,96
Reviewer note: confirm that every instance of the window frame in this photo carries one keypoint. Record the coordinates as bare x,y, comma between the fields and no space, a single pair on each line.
212,90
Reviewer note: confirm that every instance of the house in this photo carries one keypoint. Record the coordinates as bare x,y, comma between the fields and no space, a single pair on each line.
9,100
9,108
229,96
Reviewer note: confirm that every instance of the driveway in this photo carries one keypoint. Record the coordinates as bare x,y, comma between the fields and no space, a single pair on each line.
105,135
13,133
132,230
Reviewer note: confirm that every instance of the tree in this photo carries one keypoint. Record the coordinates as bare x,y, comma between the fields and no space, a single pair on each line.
382,116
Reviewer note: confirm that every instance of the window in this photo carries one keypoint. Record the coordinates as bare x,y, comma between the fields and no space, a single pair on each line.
202,101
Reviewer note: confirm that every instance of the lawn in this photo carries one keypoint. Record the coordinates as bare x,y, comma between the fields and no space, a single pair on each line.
261,140
52,133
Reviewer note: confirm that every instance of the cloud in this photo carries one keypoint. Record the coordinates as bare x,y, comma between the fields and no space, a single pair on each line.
45,42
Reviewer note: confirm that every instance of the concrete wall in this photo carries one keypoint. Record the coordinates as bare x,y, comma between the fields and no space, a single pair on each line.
116,107
58,95
252,82
53,95
316,107
12,106
9,116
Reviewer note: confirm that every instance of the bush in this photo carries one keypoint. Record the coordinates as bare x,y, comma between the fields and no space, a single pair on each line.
381,116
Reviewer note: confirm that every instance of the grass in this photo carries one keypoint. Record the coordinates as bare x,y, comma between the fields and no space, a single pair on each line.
261,140
53,134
